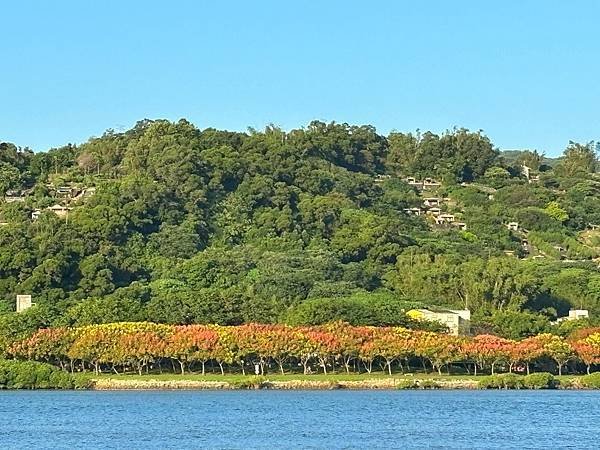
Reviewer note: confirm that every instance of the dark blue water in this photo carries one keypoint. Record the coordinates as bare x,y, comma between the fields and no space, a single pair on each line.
300,419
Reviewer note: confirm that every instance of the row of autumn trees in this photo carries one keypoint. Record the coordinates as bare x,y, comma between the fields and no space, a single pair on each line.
140,346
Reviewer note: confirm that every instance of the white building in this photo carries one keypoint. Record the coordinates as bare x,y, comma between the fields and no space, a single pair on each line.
23,303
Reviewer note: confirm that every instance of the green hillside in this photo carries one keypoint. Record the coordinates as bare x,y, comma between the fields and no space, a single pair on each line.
169,223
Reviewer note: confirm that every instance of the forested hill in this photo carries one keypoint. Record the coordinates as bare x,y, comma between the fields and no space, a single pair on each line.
172,224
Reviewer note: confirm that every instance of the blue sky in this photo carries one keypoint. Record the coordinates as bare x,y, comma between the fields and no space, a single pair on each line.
526,72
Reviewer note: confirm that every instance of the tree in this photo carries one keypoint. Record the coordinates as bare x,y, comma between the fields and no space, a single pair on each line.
579,159
488,350
9,177
554,210
556,348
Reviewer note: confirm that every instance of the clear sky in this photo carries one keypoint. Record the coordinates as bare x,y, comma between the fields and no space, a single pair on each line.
525,72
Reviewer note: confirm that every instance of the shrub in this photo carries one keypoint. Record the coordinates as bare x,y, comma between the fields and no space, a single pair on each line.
33,375
428,384
252,382
591,381
502,381
540,380
407,384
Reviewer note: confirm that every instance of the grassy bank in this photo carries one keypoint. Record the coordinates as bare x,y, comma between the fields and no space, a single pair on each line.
335,381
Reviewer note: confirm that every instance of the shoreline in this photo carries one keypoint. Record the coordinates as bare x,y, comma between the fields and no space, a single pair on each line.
317,385
113,384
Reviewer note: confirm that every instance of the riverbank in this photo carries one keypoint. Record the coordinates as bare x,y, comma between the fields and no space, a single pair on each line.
33,375
330,382
266,383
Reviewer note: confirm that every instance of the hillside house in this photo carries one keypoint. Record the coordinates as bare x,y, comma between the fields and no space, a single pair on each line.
435,211
413,211
513,226
431,201
458,321
430,183
13,196
23,303
528,173
67,192
59,210
35,214
445,218
575,314
382,178
412,181
460,225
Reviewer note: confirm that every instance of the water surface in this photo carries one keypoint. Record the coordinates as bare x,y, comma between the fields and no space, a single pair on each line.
300,419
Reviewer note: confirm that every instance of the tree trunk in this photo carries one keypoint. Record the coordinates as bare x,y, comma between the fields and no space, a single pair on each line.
305,366
221,366
324,365
182,364
347,364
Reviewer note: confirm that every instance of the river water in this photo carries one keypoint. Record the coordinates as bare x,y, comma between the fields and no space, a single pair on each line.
299,419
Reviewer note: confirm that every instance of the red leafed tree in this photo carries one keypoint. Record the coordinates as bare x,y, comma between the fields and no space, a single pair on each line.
488,350
525,351
48,344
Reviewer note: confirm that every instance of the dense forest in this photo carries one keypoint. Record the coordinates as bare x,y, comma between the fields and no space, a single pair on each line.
172,224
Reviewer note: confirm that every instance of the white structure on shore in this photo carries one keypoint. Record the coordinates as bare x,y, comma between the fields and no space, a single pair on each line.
24,302
458,321
575,314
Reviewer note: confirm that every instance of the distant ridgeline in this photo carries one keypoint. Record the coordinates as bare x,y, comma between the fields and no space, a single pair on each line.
176,225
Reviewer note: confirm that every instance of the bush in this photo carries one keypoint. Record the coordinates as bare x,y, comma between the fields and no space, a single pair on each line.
591,381
252,382
540,380
428,384
502,381
33,375
407,384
